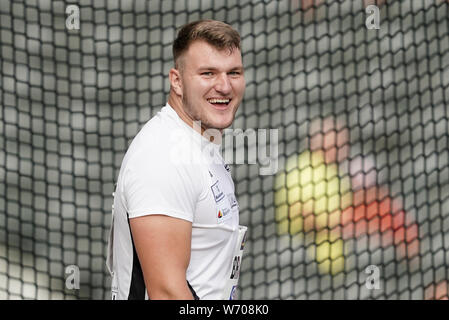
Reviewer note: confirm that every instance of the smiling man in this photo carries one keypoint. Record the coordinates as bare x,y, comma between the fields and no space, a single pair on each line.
175,231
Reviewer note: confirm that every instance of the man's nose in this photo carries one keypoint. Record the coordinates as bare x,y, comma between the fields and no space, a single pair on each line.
223,85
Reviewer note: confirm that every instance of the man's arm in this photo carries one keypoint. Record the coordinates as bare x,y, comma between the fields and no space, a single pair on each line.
163,247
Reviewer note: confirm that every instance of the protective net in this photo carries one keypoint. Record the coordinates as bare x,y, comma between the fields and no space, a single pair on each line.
359,206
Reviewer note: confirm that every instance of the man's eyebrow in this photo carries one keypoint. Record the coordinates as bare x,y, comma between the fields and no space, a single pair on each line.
215,69
240,68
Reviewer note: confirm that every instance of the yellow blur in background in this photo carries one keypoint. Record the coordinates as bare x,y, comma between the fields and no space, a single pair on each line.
310,197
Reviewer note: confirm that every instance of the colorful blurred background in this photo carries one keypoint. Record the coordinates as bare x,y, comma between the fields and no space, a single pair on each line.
362,115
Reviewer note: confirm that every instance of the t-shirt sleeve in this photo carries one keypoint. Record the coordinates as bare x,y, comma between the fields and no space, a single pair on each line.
155,186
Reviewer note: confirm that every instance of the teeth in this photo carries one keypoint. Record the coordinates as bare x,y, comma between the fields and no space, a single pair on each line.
219,100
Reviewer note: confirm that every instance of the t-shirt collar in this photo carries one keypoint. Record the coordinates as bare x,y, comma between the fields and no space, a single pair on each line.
204,141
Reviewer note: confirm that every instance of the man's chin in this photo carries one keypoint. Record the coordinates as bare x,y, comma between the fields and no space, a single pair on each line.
219,124
224,121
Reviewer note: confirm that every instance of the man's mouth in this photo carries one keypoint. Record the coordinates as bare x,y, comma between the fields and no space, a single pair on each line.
219,103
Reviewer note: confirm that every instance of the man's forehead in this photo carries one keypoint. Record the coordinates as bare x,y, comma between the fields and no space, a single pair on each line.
201,54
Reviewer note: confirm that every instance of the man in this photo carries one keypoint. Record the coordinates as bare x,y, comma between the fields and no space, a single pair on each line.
175,232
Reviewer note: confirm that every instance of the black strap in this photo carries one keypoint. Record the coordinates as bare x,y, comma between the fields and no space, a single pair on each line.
193,292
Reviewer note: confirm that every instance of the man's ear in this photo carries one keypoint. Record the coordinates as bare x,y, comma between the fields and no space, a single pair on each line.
175,81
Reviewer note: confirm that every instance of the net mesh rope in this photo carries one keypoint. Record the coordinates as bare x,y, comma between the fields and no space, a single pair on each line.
362,118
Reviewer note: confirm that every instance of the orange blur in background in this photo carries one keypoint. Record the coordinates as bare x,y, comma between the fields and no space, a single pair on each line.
372,210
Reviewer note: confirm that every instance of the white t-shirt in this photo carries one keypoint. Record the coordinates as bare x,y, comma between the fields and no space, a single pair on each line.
171,169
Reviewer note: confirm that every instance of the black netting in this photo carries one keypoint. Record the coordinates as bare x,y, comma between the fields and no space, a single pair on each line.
365,111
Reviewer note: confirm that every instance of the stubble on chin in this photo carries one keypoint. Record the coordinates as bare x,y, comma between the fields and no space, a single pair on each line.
208,123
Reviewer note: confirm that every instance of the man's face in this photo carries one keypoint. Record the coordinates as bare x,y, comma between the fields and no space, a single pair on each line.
212,84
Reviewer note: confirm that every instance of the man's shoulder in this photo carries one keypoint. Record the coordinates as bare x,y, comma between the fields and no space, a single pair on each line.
165,142
161,121
156,131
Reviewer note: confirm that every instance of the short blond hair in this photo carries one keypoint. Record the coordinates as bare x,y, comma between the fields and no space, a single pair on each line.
216,33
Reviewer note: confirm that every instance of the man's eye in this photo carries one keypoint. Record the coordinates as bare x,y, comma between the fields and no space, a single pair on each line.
208,73
234,73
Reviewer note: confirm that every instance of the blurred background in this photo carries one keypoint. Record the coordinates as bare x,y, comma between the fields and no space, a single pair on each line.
363,128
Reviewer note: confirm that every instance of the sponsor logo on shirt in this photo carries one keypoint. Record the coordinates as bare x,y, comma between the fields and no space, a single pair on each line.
227,167
243,241
235,268
218,194
114,292
233,294
223,213
232,200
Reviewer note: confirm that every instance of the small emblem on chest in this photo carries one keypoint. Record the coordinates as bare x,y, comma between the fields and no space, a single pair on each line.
217,192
